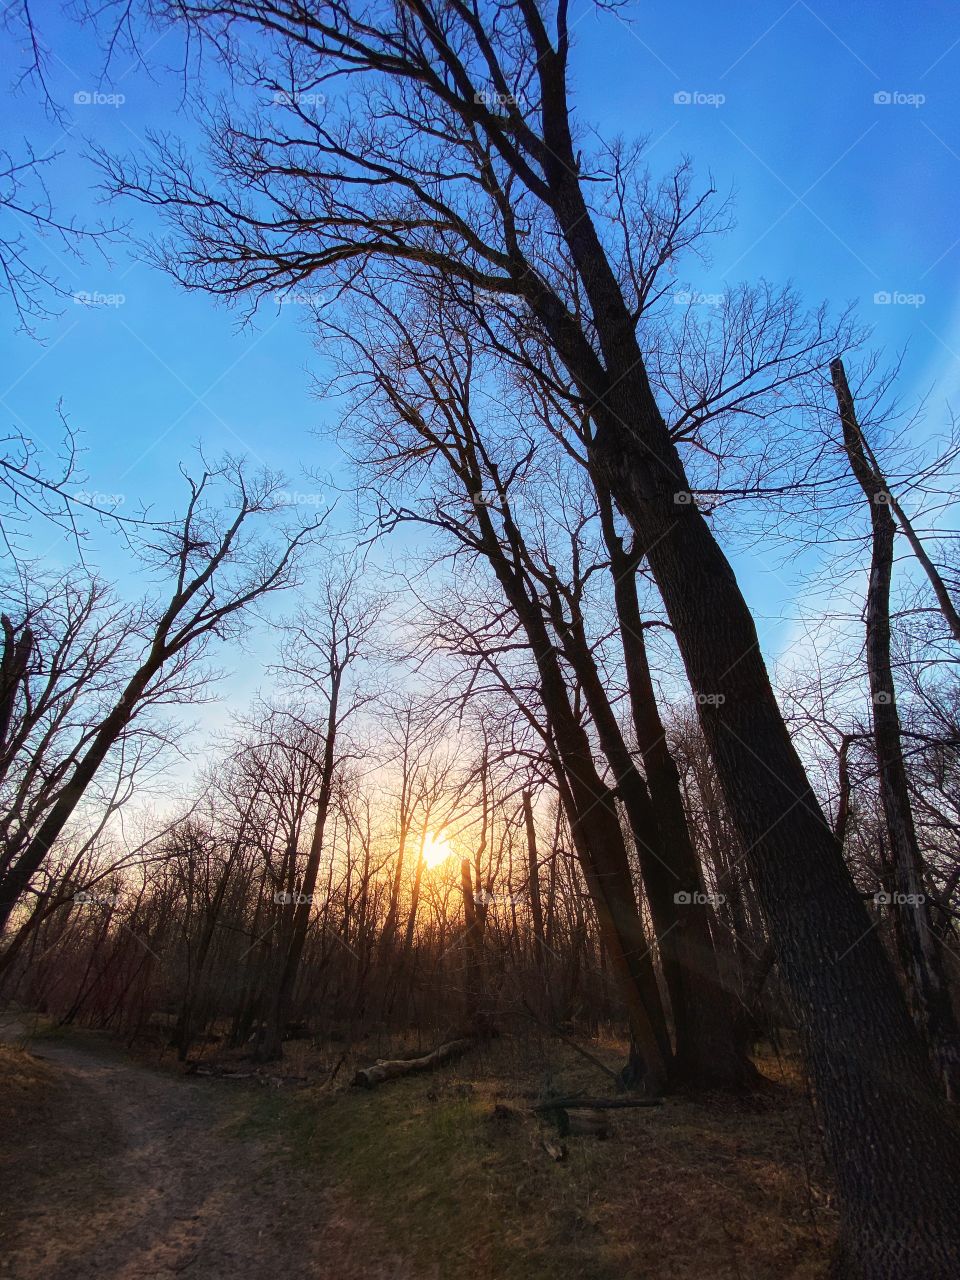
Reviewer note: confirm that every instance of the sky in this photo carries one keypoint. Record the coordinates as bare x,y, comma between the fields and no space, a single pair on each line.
833,125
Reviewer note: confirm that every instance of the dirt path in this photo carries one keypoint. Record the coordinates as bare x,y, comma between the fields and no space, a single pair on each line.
143,1177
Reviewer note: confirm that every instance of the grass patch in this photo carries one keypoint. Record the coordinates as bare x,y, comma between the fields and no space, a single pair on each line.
53,1141
711,1187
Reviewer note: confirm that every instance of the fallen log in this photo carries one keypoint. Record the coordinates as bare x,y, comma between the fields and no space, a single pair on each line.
212,1071
218,1072
588,1118
385,1069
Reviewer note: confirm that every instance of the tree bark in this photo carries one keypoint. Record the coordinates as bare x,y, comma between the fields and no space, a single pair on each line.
595,826
271,1045
886,1128
892,1138
913,927
14,662
475,1001
387,1069
621,930
533,882
709,1052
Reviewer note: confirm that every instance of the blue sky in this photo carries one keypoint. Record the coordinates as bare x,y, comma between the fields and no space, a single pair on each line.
846,195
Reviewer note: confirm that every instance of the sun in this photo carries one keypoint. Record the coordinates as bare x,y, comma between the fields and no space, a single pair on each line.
435,850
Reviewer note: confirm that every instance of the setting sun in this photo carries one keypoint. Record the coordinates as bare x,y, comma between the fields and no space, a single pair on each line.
435,850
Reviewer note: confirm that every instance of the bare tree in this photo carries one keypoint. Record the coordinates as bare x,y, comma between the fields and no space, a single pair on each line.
919,947
25,203
325,644
220,568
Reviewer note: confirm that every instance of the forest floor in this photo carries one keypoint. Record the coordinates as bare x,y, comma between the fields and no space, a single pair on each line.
118,1168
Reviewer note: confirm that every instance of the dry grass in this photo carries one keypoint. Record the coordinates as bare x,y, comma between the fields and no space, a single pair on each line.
699,1188
55,1138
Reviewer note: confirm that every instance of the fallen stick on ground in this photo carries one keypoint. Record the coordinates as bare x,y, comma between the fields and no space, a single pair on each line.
584,1053
383,1070
213,1072
595,1104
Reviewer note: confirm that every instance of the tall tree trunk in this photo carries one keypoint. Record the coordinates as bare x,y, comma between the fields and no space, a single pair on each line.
707,1046
17,878
595,825
598,841
913,927
411,926
475,995
271,1046
871,468
589,803
533,883
886,1126
14,661
892,1138
708,1050
389,931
